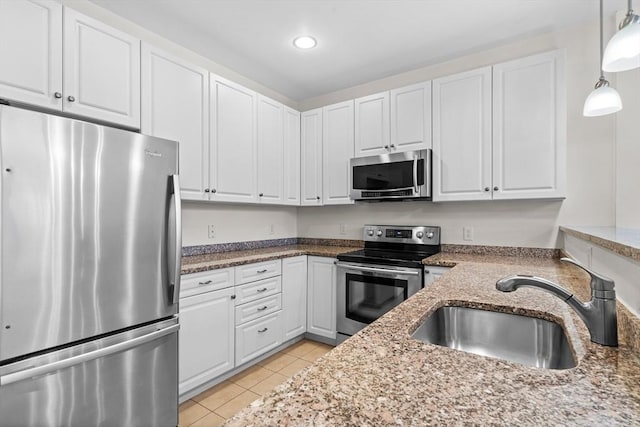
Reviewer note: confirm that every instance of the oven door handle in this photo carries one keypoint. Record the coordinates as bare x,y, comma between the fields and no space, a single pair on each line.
378,270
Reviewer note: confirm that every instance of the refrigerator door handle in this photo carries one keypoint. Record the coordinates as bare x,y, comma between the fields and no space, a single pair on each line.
174,257
39,371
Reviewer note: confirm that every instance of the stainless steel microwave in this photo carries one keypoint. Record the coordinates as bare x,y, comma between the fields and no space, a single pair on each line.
396,176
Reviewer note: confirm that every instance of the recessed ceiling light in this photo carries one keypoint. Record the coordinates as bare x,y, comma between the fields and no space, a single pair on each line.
304,42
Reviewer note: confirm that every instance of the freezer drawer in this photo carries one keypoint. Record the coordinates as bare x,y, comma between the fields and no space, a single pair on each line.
128,379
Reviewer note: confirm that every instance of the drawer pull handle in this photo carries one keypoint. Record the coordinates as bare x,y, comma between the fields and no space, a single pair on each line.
205,283
262,330
262,308
262,271
262,290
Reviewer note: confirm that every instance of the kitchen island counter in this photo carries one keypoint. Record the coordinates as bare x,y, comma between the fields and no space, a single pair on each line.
382,376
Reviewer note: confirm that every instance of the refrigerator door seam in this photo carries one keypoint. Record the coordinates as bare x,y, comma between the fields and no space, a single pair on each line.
82,358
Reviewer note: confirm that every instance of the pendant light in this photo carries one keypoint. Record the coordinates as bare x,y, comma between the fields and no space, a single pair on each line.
623,50
603,99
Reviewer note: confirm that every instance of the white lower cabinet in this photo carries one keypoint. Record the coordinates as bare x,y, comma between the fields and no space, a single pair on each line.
321,296
257,337
294,296
206,344
433,273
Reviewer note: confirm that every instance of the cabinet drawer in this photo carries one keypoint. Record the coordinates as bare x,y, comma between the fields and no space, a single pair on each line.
259,308
257,271
256,290
196,283
257,337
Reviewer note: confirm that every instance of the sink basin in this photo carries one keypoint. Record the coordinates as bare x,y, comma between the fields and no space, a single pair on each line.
522,339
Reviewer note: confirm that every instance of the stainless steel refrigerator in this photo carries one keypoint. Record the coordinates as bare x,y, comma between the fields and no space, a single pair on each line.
89,274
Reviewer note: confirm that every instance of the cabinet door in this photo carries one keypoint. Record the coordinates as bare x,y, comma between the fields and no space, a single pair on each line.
291,157
270,150
233,142
294,296
372,125
337,150
462,136
321,297
411,117
206,344
31,52
529,127
101,71
433,273
311,157
175,105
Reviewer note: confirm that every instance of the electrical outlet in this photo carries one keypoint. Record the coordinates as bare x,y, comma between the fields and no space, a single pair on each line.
212,231
271,229
467,234
343,229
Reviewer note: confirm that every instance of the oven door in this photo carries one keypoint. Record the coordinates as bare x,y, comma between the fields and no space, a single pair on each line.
365,292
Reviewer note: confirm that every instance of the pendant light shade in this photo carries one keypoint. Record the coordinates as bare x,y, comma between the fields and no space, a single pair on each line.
603,99
623,50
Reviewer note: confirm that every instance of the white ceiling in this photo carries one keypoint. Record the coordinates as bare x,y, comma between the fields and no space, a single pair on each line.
358,40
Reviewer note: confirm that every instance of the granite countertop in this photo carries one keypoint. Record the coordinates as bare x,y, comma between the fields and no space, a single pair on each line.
623,241
206,262
382,376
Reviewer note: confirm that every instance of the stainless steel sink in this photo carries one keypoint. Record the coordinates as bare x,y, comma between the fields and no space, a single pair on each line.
522,339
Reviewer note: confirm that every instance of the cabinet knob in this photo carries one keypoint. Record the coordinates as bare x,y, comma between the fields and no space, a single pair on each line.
317,197
386,147
206,190
393,146
261,194
495,188
57,95
71,98
233,297
213,190
487,189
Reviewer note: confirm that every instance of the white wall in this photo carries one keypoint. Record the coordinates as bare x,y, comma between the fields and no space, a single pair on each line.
628,150
590,161
236,223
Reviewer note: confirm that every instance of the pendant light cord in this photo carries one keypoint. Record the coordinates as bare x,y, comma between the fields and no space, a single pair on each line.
601,36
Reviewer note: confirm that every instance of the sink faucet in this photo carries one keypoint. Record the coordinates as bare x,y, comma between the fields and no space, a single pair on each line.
599,314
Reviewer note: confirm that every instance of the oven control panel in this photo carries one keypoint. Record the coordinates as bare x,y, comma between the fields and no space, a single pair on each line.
418,234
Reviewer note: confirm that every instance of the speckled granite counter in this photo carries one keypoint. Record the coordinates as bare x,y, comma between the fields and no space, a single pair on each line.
381,376
623,241
197,263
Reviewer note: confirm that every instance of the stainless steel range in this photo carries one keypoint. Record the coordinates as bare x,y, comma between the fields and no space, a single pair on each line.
386,272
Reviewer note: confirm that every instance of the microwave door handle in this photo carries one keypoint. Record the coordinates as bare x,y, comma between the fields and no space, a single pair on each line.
415,175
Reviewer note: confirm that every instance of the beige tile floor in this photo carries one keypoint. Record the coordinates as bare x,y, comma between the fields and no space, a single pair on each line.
212,407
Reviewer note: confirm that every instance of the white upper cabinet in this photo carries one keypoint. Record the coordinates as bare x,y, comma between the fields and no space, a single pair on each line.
95,75
500,132
291,191
411,117
337,150
31,52
270,150
311,157
101,71
462,136
175,105
372,125
529,127
233,160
